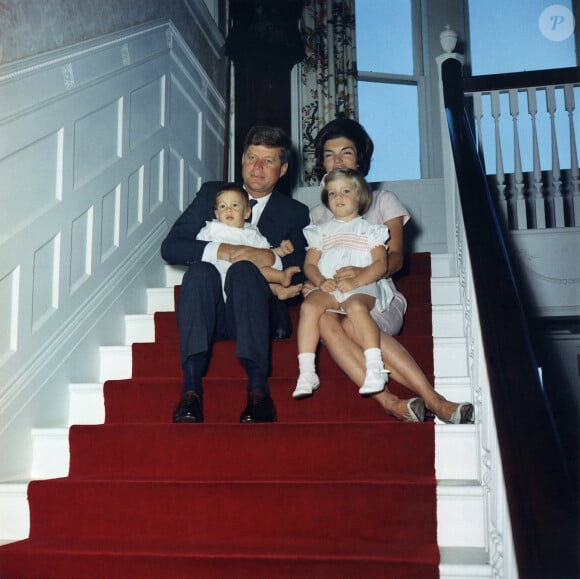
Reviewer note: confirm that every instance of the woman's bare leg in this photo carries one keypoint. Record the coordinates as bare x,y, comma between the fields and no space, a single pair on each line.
405,370
349,356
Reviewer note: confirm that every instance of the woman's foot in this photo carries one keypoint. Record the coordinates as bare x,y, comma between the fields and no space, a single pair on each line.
451,412
412,410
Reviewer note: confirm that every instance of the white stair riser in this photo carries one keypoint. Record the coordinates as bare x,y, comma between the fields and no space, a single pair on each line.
460,516
448,321
443,265
445,291
86,404
450,357
160,300
14,512
50,453
139,328
456,453
115,363
174,275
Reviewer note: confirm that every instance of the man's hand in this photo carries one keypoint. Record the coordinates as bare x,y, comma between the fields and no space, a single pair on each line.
259,257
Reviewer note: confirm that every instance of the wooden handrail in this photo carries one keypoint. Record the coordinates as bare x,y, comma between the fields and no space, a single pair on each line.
537,78
540,491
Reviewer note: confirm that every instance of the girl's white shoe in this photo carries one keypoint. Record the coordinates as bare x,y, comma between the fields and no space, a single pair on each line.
306,385
375,381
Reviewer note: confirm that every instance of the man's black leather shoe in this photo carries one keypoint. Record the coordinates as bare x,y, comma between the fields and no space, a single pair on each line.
189,409
259,408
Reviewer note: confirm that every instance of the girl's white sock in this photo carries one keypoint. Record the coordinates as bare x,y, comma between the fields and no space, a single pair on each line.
373,358
306,363
376,375
308,379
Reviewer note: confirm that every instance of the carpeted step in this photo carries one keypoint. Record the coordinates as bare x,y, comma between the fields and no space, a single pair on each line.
111,559
162,359
417,321
290,452
152,400
301,518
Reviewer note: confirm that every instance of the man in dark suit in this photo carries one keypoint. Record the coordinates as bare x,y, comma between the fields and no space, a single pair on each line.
250,314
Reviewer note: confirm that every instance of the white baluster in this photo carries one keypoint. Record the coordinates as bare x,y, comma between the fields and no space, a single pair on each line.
539,206
574,180
557,199
520,201
478,115
499,171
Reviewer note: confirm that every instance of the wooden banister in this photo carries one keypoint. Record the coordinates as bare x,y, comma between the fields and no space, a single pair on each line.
541,492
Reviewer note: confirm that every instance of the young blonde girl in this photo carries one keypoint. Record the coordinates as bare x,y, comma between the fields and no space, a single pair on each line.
345,258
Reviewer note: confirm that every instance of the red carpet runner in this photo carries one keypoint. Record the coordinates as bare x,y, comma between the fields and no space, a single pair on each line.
335,489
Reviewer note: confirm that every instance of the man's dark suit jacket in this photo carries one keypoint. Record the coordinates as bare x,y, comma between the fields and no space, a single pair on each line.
282,218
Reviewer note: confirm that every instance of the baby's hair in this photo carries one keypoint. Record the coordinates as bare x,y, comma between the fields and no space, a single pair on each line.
232,187
358,182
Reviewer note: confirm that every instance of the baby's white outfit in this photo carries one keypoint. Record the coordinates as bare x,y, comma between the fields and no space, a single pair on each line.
222,233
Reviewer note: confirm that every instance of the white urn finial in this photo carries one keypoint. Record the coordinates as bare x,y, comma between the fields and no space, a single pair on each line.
448,39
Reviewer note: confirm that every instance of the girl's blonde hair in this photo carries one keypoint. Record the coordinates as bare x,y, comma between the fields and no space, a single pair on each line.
358,182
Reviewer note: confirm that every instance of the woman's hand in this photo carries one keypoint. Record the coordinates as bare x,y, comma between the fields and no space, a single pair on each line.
348,272
259,257
348,284
328,285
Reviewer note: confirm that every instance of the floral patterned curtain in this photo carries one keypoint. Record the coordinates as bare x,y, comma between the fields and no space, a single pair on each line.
328,74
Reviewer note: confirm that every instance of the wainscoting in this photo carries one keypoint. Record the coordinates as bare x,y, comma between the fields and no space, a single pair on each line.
103,145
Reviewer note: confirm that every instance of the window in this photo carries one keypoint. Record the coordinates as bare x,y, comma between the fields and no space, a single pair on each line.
520,35
390,88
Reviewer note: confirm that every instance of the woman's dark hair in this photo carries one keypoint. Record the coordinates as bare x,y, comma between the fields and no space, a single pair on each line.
350,130
364,195
266,136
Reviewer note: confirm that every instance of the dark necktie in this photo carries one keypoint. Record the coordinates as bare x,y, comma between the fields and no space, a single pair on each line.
253,202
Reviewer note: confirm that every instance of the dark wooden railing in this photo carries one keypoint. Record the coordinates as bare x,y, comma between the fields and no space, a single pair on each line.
541,493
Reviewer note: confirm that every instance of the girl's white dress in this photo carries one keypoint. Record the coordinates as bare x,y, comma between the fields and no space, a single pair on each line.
384,207
345,243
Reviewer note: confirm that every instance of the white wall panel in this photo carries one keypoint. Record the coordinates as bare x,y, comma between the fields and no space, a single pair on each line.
135,200
186,108
156,181
81,249
45,281
30,172
111,222
97,142
147,111
9,294
176,180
